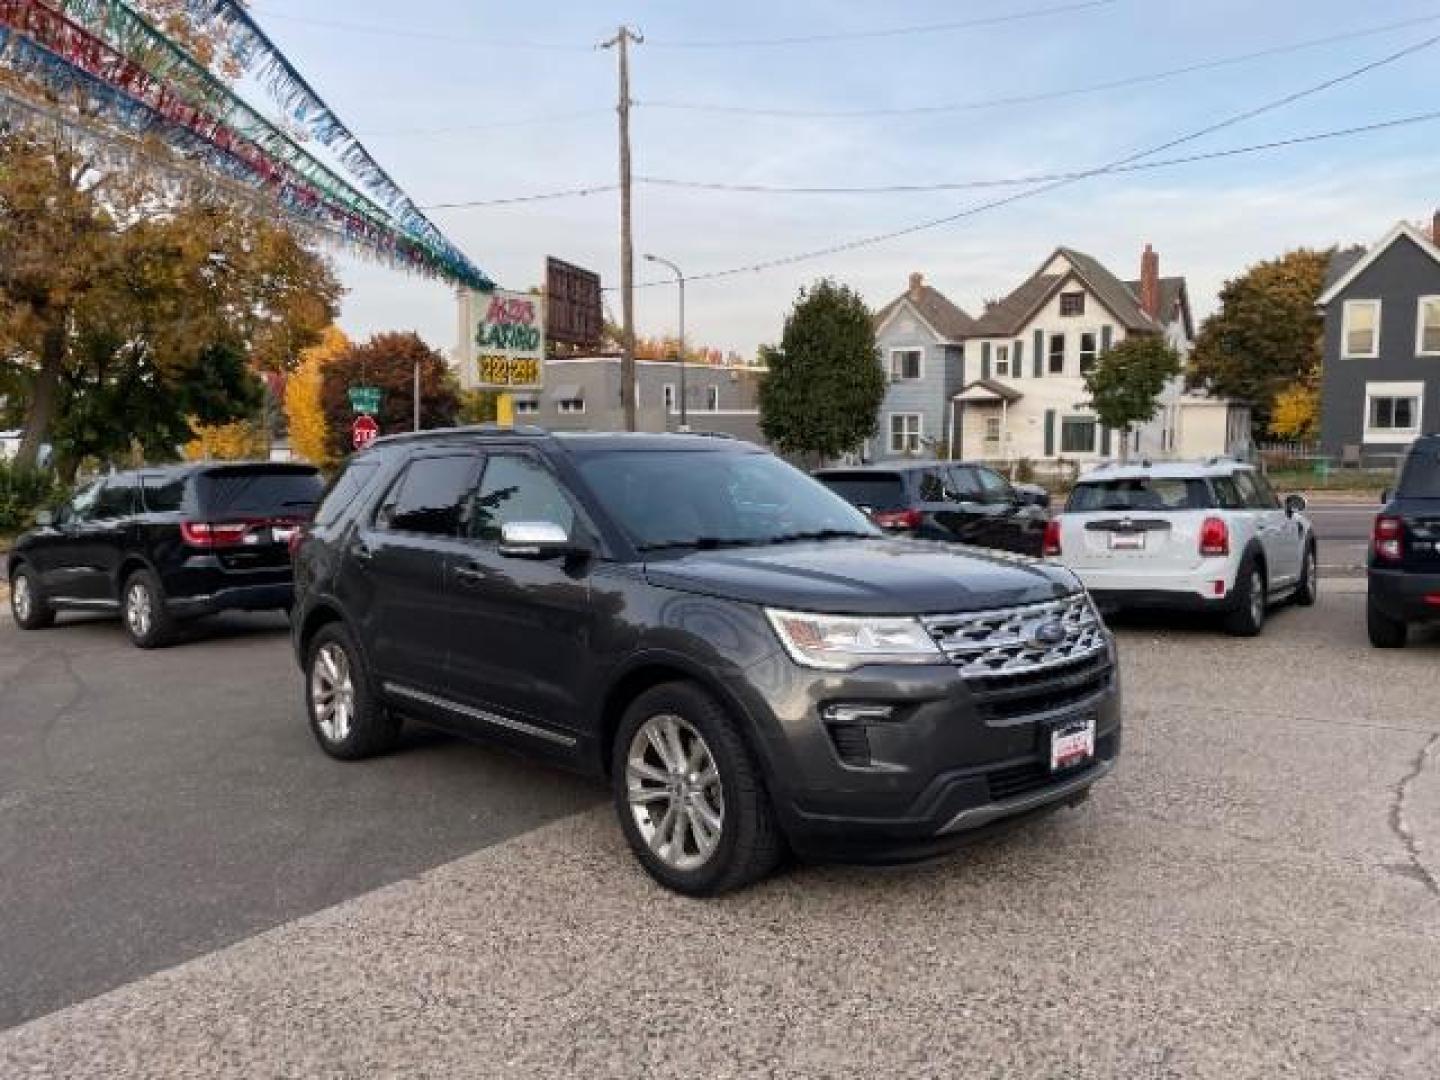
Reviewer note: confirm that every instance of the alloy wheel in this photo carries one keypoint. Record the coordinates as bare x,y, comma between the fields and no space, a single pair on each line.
139,609
674,790
332,693
21,598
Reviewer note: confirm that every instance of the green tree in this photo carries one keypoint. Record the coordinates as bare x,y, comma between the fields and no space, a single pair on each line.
1126,383
388,361
1267,335
822,392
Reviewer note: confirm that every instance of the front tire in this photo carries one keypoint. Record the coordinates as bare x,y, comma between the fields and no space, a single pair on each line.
1385,632
142,609
27,603
347,717
1248,618
1309,590
689,794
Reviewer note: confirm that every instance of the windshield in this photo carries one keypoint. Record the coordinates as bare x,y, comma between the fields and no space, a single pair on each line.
1141,493
874,491
1421,478
716,498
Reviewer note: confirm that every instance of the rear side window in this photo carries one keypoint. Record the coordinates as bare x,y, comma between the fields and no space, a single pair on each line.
258,492
873,491
162,495
1421,477
427,498
345,490
1155,494
116,500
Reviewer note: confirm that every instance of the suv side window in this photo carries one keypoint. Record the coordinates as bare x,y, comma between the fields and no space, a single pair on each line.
426,499
344,491
81,506
116,499
516,488
966,485
995,487
932,487
162,496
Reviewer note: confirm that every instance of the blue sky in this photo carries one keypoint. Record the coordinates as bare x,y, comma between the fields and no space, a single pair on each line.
459,106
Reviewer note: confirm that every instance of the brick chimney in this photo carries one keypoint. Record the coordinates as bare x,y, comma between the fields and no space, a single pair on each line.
1435,229
917,285
1150,283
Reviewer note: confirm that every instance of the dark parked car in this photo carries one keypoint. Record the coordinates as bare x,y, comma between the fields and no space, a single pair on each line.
164,545
1404,569
967,504
753,664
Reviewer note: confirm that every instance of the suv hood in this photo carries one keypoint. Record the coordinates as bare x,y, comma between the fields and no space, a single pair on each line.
866,577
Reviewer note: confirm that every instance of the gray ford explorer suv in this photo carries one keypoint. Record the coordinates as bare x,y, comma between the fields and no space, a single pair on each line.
754,666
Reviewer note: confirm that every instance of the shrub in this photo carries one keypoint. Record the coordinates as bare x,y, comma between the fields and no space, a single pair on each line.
22,493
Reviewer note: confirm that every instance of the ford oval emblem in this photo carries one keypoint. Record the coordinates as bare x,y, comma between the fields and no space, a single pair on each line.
1048,634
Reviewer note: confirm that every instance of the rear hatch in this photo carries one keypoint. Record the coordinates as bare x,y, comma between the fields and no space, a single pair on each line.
1416,507
881,495
247,514
1148,523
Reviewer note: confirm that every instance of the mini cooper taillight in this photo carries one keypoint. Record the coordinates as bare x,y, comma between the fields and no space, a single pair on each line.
1214,538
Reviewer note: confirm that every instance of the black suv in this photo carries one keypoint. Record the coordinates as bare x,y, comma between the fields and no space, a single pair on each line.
753,664
963,503
163,545
1404,569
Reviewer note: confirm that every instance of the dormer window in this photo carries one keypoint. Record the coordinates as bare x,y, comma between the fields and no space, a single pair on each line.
1072,304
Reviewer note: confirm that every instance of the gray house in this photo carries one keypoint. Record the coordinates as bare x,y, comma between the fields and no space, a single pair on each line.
1381,385
920,335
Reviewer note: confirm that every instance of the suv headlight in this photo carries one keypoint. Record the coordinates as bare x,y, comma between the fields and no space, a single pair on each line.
845,642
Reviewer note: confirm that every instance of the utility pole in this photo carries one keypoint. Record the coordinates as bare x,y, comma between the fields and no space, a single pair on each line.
621,42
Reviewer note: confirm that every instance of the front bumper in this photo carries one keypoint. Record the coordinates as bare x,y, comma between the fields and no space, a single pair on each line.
1401,594
956,759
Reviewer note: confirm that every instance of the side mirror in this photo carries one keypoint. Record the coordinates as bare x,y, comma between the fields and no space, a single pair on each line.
45,518
1295,504
535,540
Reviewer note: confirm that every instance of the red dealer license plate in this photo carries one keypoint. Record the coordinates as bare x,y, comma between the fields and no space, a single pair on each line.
1072,743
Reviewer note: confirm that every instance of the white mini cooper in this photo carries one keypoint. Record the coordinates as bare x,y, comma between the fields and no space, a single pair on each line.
1208,536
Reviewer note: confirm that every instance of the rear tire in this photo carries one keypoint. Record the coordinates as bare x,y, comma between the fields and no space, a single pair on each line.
1248,617
347,717
27,602
142,610
1385,632
1309,589
724,834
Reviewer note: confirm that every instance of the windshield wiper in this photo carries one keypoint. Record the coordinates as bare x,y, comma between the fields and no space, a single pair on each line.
699,543
820,534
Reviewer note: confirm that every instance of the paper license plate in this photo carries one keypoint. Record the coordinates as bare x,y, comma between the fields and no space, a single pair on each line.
1072,743
1127,541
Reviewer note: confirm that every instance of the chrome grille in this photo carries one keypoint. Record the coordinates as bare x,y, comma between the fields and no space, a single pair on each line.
1012,641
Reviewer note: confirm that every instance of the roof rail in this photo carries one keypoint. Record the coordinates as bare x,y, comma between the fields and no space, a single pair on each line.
526,430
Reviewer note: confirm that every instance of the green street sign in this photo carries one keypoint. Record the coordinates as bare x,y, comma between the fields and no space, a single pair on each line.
365,399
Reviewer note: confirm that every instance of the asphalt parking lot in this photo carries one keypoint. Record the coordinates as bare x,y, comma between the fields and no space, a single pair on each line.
1254,893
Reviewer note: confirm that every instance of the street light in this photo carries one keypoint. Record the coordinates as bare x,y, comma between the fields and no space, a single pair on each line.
680,280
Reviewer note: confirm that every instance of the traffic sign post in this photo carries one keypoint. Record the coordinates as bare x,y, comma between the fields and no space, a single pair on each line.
364,431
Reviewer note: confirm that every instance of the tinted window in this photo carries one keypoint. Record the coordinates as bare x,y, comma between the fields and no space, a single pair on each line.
81,507
874,491
517,489
933,488
1250,492
1227,494
967,485
345,490
1140,493
427,498
1421,478
258,491
1268,498
117,499
161,495
995,486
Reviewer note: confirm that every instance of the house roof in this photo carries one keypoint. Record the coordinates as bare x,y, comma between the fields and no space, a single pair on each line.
988,390
1121,298
1337,280
1341,264
942,316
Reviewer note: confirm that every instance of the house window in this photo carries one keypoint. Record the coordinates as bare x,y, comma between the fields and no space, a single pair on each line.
526,406
992,429
905,364
1089,350
1428,343
570,406
712,398
1392,411
1057,354
1072,304
1077,435
669,392
1361,332
1002,360
905,432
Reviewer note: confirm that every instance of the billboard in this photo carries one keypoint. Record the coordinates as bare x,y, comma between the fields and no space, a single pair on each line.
503,346
573,314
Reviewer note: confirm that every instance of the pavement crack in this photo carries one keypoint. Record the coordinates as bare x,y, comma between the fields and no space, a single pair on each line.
1400,824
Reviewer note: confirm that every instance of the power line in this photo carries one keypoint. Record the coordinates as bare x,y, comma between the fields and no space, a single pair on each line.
543,196
1044,95
894,31
1046,188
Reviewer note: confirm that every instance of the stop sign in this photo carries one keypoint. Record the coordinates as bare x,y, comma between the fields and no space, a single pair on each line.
363,431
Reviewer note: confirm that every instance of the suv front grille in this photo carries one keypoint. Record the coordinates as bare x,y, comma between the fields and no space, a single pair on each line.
1020,640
